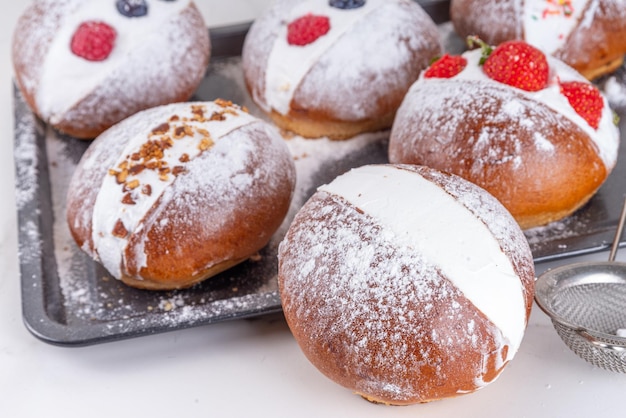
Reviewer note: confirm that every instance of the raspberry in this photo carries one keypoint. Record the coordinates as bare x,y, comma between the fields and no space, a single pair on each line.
306,29
93,40
446,67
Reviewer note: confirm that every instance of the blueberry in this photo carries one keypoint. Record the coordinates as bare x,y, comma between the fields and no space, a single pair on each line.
346,4
132,8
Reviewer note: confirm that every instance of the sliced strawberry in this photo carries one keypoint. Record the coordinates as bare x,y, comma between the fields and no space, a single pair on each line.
446,67
518,64
586,100
306,29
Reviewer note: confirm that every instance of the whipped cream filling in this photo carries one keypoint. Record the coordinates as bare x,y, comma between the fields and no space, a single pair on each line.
606,137
67,78
423,216
548,23
288,64
109,209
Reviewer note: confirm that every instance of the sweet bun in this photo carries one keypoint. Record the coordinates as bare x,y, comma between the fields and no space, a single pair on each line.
588,35
324,68
84,65
542,153
405,284
178,193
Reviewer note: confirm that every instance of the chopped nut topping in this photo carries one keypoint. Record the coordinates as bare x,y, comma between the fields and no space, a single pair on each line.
205,144
136,169
128,199
133,184
178,169
119,230
161,129
151,154
223,103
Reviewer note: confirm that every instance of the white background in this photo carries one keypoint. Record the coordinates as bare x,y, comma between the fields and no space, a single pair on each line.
242,368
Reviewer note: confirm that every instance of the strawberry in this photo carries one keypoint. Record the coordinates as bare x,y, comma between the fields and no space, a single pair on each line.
518,64
306,29
93,40
446,67
586,100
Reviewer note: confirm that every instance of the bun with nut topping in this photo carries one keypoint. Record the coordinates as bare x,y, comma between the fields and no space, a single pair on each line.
176,194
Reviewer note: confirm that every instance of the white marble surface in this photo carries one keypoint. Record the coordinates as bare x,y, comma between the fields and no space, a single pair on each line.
242,368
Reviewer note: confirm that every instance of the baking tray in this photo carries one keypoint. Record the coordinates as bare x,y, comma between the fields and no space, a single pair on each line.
69,300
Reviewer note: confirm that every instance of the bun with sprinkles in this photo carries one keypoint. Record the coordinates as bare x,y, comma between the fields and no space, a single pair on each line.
588,35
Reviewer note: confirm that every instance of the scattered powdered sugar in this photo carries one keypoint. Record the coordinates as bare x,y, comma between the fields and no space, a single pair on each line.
378,310
345,64
168,49
25,154
91,294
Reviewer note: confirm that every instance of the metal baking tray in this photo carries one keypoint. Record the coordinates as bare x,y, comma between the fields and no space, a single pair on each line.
69,300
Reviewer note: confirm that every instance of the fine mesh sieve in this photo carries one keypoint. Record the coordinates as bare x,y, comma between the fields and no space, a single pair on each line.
587,305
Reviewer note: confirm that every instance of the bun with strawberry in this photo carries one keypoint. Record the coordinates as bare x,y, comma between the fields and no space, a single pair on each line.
524,126
84,65
588,35
336,68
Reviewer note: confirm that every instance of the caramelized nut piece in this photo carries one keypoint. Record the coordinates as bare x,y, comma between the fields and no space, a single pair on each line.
119,230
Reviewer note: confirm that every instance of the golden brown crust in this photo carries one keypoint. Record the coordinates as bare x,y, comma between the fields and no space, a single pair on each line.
465,16
377,316
221,208
121,93
501,154
593,49
307,127
337,97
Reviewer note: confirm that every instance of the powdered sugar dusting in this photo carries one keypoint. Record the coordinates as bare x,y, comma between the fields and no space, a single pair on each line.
420,214
344,65
378,309
162,48
24,151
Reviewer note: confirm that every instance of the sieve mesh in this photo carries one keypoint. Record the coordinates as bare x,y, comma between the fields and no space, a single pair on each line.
587,311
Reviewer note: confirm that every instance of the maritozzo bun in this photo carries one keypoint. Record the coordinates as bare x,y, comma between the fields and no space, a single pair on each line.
336,68
588,35
84,65
178,193
543,153
406,284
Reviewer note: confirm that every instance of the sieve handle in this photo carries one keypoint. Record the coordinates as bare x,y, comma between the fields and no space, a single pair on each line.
618,233
599,343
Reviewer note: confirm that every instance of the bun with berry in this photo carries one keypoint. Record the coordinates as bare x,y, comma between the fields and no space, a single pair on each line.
525,127
84,65
423,299
178,193
336,68
588,35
